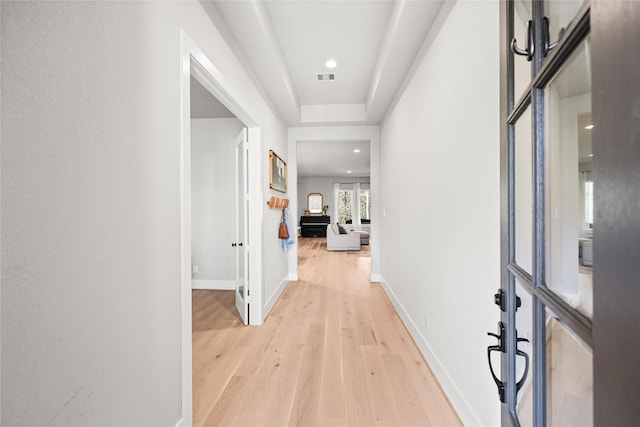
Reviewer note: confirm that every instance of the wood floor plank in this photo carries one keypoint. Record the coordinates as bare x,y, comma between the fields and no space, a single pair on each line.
385,412
281,396
408,404
305,410
332,391
358,407
333,352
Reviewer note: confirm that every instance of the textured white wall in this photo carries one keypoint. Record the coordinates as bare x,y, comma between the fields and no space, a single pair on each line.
440,205
90,207
213,197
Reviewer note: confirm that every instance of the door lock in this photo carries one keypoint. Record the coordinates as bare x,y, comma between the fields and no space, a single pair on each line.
500,299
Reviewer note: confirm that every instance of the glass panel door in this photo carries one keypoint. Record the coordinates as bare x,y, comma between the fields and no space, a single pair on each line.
547,229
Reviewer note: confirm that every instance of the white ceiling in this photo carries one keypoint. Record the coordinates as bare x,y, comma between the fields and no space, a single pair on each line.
333,158
283,44
287,42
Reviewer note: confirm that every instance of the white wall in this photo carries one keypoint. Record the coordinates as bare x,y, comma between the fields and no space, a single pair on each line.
440,186
91,207
213,201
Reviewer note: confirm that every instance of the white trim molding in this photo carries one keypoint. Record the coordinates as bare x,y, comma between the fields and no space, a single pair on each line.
213,285
268,306
453,393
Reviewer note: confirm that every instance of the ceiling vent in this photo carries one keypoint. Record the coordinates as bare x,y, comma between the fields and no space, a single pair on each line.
326,77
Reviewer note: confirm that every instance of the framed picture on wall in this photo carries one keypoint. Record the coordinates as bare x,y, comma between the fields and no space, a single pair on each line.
277,173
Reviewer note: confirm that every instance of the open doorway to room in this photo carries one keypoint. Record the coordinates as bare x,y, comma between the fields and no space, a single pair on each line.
218,268
219,185
302,176
334,202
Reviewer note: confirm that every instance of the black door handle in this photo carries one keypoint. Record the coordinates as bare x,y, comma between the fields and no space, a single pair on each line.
547,38
240,244
501,348
528,52
233,245
521,353
499,384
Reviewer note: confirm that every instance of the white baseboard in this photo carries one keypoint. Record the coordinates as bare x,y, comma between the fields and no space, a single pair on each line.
456,397
214,285
375,277
293,276
268,306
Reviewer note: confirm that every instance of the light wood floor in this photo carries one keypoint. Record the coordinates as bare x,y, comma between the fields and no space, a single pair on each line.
333,352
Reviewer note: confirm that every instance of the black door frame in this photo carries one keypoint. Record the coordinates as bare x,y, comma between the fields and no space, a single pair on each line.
615,43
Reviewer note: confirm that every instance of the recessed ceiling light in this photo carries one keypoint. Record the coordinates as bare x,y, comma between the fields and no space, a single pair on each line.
348,171
588,127
590,155
331,64
356,150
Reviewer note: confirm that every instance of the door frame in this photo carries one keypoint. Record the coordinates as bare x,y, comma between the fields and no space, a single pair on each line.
241,228
616,146
193,62
338,133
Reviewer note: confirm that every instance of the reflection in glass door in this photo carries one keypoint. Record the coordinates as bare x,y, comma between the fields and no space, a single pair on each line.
549,220
569,183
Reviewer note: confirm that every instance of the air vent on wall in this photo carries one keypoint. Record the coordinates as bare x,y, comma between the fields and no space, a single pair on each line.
326,77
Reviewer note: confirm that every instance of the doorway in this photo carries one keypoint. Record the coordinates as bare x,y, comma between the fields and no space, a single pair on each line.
196,66
219,198
369,135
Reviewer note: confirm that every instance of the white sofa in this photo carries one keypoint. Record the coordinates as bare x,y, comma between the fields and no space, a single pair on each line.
341,242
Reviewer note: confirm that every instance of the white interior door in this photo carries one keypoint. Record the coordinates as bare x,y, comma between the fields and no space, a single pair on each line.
241,229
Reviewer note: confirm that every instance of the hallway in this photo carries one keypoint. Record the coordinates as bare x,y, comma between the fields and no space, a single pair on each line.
333,352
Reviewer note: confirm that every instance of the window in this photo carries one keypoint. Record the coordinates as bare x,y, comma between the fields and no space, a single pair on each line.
588,203
345,198
365,204
352,203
